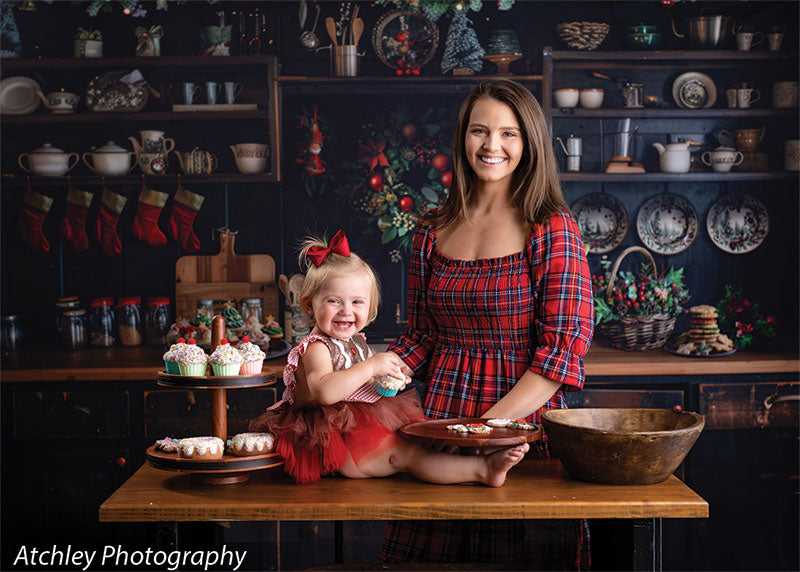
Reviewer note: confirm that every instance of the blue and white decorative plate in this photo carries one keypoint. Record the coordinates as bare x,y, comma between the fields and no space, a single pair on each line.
603,221
667,223
738,223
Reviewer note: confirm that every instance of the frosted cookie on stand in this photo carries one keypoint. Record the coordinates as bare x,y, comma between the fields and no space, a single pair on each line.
201,448
249,444
252,357
253,329
170,356
192,360
225,360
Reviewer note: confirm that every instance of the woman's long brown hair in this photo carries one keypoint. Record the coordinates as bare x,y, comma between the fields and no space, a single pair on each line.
535,186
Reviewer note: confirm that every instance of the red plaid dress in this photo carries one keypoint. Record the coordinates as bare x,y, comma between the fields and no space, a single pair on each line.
474,328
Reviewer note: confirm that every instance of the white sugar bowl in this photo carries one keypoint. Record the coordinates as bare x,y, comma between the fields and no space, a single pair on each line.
110,159
48,161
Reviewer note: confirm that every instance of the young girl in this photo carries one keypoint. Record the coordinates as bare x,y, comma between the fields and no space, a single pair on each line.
331,417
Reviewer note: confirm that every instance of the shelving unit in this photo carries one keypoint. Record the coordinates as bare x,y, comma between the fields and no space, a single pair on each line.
20,182
157,113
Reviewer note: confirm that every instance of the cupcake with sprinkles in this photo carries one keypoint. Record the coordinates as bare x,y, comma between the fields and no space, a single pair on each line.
389,386
192,360
252,357
225,360
171,355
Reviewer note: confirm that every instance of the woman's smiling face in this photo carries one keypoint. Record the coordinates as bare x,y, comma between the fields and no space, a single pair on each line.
494,141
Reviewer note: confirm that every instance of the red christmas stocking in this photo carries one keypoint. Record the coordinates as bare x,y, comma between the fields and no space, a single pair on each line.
30,223
73,227
184,210
111,205
145,225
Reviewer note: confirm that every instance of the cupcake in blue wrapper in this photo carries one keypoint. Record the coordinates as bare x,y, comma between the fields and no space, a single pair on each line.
171,356
388,386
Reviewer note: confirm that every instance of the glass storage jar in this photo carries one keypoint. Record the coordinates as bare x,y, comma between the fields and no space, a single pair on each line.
205,308
10,335
73,329
101,322
157,321
62,305
129,321
252,307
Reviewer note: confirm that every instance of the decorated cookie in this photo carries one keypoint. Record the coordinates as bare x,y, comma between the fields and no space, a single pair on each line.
167,444
248,444
205,448
500,422
458,427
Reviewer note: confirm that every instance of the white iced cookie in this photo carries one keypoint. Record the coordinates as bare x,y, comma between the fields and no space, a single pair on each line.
458,427
202,448
500,422
248,444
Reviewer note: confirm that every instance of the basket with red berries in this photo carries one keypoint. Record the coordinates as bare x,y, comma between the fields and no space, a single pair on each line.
637,312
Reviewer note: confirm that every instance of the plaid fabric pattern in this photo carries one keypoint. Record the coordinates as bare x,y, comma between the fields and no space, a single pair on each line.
474,328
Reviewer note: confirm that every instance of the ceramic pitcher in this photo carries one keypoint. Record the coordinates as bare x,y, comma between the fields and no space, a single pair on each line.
151,154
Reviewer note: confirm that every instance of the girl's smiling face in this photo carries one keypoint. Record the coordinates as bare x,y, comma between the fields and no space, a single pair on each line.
341,306
494,141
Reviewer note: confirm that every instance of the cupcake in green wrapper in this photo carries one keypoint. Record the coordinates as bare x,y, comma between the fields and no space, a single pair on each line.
225,360
171,355
192,360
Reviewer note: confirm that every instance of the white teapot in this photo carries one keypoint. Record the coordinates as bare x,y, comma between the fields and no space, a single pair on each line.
110,159
48,161
674,157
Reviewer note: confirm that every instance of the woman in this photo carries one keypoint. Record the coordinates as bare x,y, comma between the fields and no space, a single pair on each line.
500,305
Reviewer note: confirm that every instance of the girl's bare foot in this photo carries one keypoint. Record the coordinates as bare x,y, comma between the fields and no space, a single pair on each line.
499,462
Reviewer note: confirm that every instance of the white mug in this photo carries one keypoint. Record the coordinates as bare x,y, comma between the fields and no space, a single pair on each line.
747,96
232,91
251,158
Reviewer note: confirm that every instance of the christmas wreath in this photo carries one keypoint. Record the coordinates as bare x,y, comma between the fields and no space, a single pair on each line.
402,172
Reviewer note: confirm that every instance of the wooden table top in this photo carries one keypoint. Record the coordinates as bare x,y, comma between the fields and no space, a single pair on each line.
535,489
143,363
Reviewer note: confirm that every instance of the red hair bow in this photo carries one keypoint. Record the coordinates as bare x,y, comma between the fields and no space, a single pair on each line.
338,245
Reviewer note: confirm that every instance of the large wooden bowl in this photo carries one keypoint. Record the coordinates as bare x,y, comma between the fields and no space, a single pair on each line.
621,446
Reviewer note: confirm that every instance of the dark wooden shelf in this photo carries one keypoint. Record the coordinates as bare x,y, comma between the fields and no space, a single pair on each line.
19,181
580,113
760,56
676,177
17,64
303,79
50,118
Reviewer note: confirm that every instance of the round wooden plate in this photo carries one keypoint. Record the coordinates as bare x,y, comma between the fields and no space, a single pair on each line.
227,464
215,381
436,431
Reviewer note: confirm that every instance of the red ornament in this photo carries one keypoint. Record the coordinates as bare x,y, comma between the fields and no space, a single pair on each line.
376,182
398,71
668,2
447,178
401,36
406,203
440,162
409,130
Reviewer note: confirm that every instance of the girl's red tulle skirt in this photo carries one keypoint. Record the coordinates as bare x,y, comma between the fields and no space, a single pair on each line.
316,441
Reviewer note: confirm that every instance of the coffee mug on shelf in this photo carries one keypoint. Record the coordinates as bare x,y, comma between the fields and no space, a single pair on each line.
733,97
746,39
774,38
212,92
792,155
745,97
747,140
784,94
190,91
232,90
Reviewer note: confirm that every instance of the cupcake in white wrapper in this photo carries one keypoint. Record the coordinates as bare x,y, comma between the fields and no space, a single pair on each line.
252,357
225,360
192,360
388,386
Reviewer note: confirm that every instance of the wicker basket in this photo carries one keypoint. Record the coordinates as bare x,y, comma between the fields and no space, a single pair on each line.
583,35
645,332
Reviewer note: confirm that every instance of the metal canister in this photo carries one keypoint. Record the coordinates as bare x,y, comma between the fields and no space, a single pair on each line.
10,335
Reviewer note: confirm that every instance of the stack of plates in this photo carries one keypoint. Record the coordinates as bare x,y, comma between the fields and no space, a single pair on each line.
18,95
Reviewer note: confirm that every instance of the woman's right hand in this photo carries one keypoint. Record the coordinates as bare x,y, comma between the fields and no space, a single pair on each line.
387,363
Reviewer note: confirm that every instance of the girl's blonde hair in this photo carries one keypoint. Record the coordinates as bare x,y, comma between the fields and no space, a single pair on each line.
535,187
334,265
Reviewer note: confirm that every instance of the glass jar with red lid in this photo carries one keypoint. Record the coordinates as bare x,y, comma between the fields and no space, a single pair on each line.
101,322
129,321
157,320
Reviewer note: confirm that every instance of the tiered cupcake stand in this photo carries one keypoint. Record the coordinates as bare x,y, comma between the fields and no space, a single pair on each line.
231,468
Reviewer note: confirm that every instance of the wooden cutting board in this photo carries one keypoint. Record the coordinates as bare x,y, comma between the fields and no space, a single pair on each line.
225,276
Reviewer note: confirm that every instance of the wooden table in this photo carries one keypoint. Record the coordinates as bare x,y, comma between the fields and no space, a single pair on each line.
536,489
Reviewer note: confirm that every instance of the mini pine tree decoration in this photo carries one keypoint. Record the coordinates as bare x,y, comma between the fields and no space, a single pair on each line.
462,51
11,45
